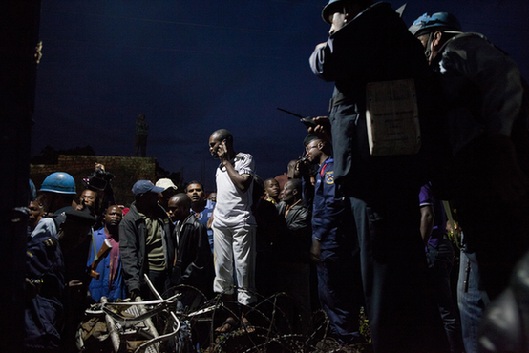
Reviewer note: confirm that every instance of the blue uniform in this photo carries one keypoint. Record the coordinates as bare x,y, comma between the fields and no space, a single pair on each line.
44,309
382,191
340,296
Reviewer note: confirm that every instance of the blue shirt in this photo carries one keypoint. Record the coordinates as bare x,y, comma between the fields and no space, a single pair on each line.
103,287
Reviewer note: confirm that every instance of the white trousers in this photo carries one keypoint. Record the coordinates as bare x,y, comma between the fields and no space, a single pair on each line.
235,247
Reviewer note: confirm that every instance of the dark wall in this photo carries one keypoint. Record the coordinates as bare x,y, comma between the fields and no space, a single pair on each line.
127,170
19,29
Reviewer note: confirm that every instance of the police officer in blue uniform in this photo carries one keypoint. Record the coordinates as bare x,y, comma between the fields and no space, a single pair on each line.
334,248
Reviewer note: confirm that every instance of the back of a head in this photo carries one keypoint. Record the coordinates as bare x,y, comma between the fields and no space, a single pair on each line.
437,21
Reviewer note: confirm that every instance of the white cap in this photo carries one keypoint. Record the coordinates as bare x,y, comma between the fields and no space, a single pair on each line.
166,183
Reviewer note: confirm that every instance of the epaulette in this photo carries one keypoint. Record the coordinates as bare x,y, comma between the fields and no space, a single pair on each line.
49,242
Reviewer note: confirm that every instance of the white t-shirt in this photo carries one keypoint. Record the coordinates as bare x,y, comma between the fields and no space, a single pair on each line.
233,208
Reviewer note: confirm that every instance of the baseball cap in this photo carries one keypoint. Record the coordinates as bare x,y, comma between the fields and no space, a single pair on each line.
166,183
143,186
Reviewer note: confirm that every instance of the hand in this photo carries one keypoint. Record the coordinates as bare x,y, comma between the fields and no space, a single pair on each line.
100,167
75,283
134,294
322,128
320,46
315,250
222,151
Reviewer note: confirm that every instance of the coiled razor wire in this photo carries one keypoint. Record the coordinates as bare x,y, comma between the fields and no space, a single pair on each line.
189,321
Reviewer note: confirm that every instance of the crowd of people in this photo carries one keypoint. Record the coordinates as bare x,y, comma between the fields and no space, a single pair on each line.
363,220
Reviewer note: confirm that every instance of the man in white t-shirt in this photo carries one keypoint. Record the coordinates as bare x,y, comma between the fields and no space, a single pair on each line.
233,224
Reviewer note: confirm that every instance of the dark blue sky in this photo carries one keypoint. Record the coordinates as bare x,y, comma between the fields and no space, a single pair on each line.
196,66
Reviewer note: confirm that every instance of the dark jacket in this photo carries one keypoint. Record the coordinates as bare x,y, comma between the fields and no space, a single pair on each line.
132,237
44,311
332,221
194,262
375,46
294,242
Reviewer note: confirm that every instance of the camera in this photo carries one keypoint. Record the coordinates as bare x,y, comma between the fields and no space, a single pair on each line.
99,180
306,168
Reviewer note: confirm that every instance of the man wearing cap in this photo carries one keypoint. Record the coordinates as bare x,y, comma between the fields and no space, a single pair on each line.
486,116
146,243
57,194
169,190
369,50
485,122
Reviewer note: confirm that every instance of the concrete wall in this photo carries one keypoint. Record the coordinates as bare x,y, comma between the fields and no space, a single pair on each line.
126,170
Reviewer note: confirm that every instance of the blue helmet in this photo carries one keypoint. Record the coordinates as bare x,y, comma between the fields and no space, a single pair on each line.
438,21
327,9
334,5
59,183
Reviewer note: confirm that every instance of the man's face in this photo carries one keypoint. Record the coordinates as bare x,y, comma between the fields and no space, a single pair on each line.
35,212
88,197
175,210
313,150
113,216
195,192
271,188
147,201
431,43
46,198
288,193
423,38
214,144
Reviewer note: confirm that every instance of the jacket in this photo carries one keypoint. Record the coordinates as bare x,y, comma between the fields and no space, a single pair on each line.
293,245
331,216
194,262
482,88
374,46
44,311
132,238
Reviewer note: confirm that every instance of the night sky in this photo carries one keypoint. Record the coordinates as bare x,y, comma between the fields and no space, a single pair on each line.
193,67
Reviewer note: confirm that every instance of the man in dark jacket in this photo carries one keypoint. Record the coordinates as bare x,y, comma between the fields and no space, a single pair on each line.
486,117
146,242
44,311
293,247
370,50
194,261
